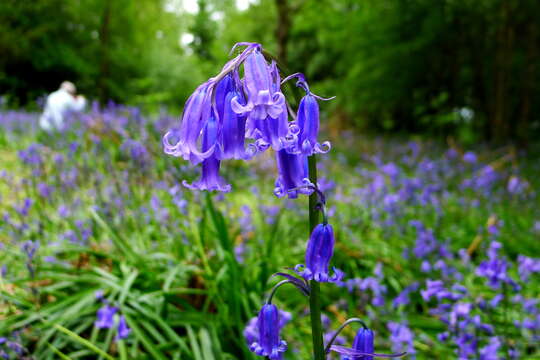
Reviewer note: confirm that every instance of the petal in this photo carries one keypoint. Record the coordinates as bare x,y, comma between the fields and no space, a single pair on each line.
274,110
239,108
278,98
323,148
263,98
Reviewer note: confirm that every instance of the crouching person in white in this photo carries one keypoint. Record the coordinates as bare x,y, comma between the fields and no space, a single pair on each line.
59,104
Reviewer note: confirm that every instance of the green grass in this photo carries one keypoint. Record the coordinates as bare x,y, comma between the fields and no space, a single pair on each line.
175,276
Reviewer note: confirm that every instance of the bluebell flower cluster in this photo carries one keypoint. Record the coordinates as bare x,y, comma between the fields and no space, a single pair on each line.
371,284
234,117
11,347
106,318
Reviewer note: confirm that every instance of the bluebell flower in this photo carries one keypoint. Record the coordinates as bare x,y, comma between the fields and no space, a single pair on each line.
467,345
251,331
197,112
105,317
17,348
363,347
210,178
435,288
403,296
226,110
516,186
31,155
269,342
400,336
527,266
44,190
320,249
293,178
470,157
234,129
30,247
123,330
495,269
308,122
363,342
137,152
451,153
264,100
25,208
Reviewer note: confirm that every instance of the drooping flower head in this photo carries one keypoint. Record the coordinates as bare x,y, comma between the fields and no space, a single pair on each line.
105,317
293,176
123,330
363,342
307,121
210,178
227,110
320,249
269,343
264,97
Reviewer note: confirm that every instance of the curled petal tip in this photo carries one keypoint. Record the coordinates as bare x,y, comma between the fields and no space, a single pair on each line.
248,44
323,98
323,148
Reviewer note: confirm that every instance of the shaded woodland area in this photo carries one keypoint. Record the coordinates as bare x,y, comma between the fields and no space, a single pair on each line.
463,68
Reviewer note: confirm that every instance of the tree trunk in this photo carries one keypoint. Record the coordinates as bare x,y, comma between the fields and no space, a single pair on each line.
283,29
104,38
501,105
528,82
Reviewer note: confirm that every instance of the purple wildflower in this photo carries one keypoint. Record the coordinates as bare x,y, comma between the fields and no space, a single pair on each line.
123,330
308,122
210,178
401,336
293,175
527,266
105,317
470,157
320,249
363,347
495,268
263,99
403,297
269,342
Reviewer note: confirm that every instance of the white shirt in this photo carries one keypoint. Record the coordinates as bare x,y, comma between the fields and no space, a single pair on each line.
59,104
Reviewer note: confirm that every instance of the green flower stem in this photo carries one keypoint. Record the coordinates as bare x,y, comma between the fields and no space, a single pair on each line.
315,297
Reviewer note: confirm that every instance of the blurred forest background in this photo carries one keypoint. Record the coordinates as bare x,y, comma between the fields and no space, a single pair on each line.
465,68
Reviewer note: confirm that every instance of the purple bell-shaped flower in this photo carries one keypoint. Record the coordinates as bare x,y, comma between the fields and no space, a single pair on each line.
363,342
263,99
105,317
210,178
269,343
320,249
308,122
197,113
293,175
362,349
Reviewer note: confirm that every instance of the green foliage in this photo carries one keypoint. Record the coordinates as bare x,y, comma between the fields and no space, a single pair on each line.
173,271
388,62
